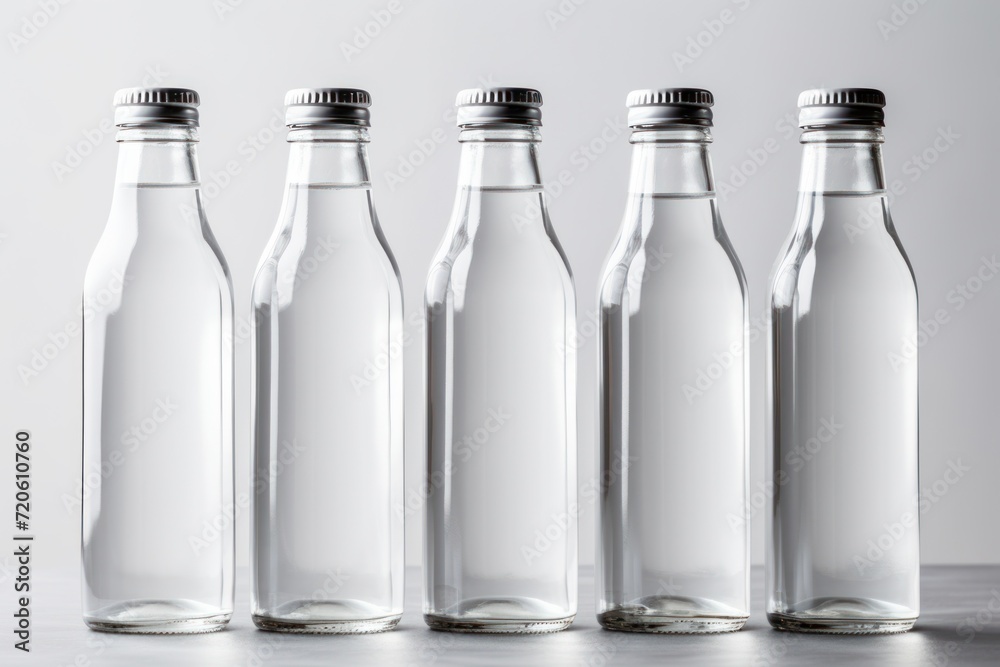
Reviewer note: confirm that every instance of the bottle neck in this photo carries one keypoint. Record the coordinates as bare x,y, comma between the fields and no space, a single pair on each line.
672,161
498,157
157,156
842,160
332,156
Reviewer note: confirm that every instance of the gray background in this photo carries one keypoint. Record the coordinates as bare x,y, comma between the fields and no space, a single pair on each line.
938,70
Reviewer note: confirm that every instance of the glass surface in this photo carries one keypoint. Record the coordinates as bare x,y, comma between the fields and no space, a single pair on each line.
501,551
672,538
843,544
157,394
328,402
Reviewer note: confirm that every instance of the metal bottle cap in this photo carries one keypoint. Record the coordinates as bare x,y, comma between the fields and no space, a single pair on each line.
156,106
490,106
670,106
327,106
841,106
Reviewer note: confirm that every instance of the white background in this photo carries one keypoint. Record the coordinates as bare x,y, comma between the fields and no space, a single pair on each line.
936,64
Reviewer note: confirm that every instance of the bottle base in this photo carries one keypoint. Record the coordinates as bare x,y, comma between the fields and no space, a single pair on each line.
158,617
501,615
354,626
346,616
686,625
840,625
497,626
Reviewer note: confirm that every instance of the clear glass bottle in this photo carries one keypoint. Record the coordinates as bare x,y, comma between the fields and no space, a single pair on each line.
500,520
327,432
157,388
673,444
843,542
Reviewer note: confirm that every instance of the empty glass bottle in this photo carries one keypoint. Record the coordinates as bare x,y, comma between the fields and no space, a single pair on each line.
843,543
501,551
157,388
328,388
672,538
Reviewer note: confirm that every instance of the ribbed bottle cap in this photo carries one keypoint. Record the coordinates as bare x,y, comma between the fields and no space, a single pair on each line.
327,106
487,106
669,106
156,106
841,106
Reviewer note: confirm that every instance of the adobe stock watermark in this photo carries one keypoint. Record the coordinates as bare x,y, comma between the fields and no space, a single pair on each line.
374,368
33,23
432,646
894,532
580,160
414,325
712,29
77,152
424,147
42,356
264,648
740,174
212,529
95,647
590,323
723,361
248,150
873,216
132,439
604,652
332,584
968,629
312,260
223,8
775,652
718,368
366,33
463,450
562,12
558,526
794,460
899,15
957,299
8,568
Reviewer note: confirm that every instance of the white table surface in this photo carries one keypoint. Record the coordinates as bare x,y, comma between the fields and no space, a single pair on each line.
959,625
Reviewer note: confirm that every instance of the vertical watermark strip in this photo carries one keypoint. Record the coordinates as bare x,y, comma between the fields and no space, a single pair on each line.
23,541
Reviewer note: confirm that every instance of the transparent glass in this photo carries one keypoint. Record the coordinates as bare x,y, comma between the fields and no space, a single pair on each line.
843,542
327,428
500,520
673,444
157,401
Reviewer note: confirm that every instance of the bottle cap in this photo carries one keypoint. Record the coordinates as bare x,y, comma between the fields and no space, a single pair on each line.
665,107
156,106
327,106
841,106
492,106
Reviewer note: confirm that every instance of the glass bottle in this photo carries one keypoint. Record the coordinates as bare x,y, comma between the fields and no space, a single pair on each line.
327,432
157,388
843,543
500,520
673,445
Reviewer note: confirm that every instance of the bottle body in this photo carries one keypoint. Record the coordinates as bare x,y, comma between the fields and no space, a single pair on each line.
500,521
672,541
843,422
158,402
328,402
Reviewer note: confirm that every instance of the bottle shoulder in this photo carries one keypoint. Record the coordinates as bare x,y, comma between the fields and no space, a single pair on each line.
321,265
830,262
124,252
661,262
